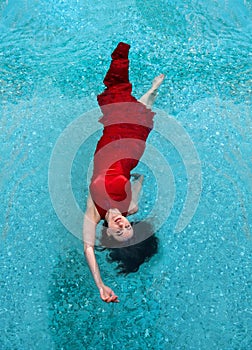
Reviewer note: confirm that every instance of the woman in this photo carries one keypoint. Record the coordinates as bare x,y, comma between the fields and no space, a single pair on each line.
127,124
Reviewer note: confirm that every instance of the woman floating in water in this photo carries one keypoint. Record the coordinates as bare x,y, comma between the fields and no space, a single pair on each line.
127,124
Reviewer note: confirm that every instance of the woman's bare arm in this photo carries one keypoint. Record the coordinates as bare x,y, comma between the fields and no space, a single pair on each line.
135,189
89,229
91,218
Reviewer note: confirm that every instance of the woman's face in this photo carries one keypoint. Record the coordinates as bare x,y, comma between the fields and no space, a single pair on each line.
118,226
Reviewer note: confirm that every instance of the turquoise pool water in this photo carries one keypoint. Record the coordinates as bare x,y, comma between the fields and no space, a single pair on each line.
196,292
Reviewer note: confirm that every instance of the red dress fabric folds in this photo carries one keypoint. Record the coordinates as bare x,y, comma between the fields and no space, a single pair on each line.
127,124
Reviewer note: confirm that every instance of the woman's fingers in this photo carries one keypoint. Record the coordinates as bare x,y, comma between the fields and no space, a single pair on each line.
112,299
108,295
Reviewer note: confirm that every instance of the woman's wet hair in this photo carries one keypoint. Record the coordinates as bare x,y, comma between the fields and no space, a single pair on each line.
133,253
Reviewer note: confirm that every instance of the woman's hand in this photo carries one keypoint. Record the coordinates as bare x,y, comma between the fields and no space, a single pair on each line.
135,189
137,177
108,295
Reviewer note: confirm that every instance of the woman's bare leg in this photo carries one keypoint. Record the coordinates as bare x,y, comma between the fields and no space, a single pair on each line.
149,97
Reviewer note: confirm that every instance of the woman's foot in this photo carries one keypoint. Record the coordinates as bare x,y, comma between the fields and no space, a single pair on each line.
150,96
157,82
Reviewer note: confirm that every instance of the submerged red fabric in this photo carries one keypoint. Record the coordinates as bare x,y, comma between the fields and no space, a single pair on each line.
127,124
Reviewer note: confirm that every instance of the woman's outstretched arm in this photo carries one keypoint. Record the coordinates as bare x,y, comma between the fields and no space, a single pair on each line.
89,228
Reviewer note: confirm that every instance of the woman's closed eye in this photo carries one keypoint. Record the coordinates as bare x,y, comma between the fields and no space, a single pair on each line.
120,232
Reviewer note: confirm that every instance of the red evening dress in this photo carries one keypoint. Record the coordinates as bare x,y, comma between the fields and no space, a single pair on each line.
127,124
